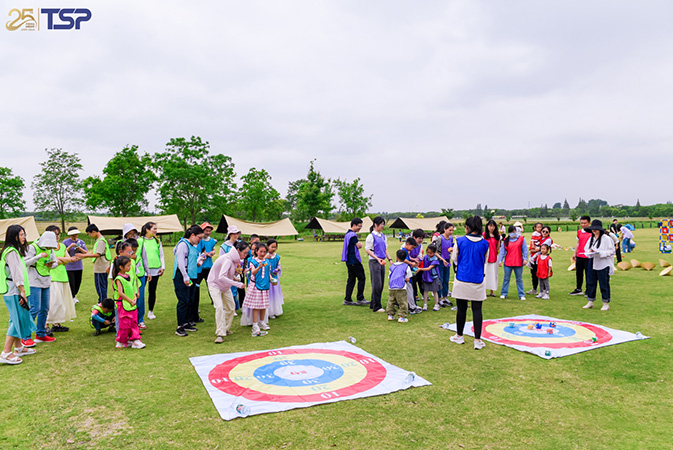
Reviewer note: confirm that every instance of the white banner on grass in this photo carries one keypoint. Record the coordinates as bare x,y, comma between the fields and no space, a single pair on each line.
249,383
548,337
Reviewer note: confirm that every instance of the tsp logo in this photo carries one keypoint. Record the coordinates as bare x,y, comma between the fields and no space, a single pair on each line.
57,19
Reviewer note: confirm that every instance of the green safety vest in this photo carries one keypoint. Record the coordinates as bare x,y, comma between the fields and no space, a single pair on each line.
152,249
140,266
41,264
107,316
129,288
59,273
4,278
108,255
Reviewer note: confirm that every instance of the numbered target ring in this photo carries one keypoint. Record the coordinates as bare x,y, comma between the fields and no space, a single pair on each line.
297,375
524,332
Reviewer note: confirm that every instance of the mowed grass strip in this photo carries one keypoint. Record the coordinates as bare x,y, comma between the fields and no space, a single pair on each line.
81,392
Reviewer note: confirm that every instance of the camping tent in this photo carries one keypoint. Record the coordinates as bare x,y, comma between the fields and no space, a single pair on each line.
114,225
279,228
330,226
411,223
28,223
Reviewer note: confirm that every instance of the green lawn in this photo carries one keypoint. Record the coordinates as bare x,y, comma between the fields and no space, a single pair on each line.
81,392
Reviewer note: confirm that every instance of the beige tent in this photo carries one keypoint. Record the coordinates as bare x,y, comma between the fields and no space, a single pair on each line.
114,225
330,226
411,223
28,223
280,228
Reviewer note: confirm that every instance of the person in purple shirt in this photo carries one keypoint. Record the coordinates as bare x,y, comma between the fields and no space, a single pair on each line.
376,246
73,246
351,256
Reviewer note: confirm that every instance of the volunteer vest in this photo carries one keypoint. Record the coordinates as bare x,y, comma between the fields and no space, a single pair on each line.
152,251
108,255
41,264
140,265
492,249
471,259
379,246
207,246
59,273
4,277
397,275
98,308
543,269
445,245
190,261
129,290
350,234
274,263
262,281
583,237
513,252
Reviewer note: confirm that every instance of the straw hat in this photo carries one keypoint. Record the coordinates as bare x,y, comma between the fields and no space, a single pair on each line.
571,268
664,263
624,265
648,266
666,271
635,263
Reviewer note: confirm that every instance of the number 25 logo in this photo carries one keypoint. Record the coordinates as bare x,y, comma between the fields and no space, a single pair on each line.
25,15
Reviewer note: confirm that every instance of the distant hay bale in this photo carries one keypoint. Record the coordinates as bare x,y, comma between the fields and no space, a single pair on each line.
624,265
635,263
648,266
664,263
666,271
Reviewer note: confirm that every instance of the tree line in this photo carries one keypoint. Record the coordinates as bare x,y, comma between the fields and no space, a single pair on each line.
189,181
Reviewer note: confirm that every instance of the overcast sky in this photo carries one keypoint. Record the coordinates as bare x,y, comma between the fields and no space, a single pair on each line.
433,104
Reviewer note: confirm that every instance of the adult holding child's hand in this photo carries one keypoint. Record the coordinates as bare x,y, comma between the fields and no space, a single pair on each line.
376,247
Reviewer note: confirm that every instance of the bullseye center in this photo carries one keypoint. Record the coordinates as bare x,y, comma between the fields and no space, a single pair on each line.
298,372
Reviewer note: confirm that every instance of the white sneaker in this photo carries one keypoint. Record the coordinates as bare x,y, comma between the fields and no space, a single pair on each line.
120,345
479,344
391,317
538,295
606,306
257,332
138,344
437,307
589,305
75,301
457,339
503,297
151,316
405,320
522,298
263,326
545,297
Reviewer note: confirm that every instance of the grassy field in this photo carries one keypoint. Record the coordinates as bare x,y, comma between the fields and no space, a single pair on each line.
80,392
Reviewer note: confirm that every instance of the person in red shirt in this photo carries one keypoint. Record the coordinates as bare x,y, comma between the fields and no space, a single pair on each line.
544,271
582,263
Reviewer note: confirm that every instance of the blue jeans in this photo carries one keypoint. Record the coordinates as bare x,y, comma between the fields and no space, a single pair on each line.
518,273
444,273
39,307
100,280
141,299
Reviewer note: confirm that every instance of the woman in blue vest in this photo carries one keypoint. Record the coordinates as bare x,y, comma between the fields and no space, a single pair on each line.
470,256
185,271
377,249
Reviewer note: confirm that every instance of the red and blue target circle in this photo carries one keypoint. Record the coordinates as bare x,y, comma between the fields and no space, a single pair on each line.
297,375
565,334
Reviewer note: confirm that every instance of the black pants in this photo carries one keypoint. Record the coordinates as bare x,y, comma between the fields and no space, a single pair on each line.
461,315
355,273
417,285
75,281
602,278
152,292
377,275
582,268
184,294
202,278
533,275
618,252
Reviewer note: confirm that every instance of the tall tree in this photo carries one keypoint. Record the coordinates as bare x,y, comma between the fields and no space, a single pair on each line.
11,193
448,213
566,207
57,189
257,197
191,180
352,199
123,190
291,199
314,196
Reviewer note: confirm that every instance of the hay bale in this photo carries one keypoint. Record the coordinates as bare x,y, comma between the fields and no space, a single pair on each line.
648,266
571,267
624,265
666,271
664,263
635,263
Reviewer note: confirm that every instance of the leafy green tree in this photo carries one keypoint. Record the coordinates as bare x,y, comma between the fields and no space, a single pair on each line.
572,215
448,213
352,198
57,189
257,194
191,180
123,190
566,207
314,196
557,205
11,194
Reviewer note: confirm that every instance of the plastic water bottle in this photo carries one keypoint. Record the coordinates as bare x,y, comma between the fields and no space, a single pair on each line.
409,378
352,340
547,353
243,410
639,335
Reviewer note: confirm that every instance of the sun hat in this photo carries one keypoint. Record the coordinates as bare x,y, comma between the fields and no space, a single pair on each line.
74,231
596,225
232,229
205,225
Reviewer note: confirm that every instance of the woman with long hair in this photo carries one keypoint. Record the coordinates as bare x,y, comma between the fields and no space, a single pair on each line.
492,236
155,263
376,247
